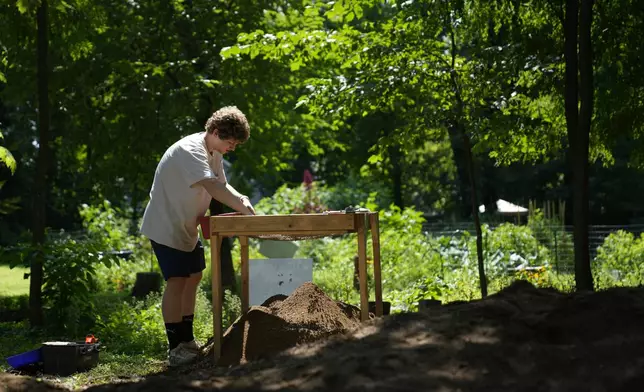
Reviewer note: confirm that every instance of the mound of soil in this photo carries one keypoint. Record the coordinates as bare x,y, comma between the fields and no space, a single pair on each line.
521,339
281,322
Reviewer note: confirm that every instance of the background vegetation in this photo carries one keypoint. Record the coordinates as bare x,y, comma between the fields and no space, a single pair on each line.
421,110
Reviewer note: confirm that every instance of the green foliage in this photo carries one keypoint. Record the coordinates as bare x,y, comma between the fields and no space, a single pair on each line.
105,222
108,224
136,327
7,159
513,247
76,266
620,260
550,233
69,277
296,200
13,306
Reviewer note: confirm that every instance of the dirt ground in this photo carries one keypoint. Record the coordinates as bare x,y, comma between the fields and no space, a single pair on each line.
521,339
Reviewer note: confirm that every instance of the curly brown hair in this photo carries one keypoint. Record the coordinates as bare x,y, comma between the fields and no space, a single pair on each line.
230,123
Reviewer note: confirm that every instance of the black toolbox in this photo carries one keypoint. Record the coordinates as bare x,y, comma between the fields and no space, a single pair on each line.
65,358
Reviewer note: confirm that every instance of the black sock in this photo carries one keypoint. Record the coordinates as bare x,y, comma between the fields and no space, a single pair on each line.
187,334
173,330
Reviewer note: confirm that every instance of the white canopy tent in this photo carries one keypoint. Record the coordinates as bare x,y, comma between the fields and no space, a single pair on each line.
505,207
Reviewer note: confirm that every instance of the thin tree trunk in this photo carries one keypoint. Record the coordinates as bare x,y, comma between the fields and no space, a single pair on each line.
583,273
578,131
460,160
396,168
475,215
42,162
459,113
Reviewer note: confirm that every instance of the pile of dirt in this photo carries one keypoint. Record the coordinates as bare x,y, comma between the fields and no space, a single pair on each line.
281,322
521,339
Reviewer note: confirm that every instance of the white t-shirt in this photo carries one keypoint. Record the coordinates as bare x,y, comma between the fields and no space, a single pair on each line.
176,202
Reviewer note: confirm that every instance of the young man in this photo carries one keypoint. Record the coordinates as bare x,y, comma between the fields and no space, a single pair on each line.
189,174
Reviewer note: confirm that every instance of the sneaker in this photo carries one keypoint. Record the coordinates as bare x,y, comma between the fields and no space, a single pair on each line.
192,346
182,355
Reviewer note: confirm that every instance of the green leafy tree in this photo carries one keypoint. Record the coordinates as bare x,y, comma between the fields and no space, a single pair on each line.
8,161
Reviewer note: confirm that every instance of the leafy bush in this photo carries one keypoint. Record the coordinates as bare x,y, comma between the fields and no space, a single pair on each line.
69,277
72,265
354,190
551,234
620,260
136,326
107,223
301,199
511,247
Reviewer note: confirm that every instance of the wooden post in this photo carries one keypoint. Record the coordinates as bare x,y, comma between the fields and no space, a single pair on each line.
245,296
377,276
217,292
362,267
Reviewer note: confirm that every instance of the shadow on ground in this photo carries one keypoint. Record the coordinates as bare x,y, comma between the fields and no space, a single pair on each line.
521,339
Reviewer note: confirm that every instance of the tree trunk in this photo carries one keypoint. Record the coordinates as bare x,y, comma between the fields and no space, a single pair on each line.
460,160
475,214
396,173
42,162
578,132
583,273
469,160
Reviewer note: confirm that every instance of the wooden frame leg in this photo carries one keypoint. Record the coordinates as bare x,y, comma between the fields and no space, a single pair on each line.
245,293
374,223
217,293
362,267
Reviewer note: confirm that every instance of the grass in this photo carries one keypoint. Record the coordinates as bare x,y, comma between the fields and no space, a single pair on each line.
113,368
13,282
17,337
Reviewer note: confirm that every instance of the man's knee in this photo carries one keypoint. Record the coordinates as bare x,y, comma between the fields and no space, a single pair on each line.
176,284
195,278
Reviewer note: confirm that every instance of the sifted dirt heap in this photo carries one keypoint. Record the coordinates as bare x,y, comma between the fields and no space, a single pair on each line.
281,322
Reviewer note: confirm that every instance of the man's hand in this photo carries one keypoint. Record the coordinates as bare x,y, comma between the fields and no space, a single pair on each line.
246,202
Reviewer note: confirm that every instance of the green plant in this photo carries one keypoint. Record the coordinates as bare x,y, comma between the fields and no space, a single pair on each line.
9,205
551,233
133,326
106,223
72,265
510,247
69,277
406,300
300,199
620,260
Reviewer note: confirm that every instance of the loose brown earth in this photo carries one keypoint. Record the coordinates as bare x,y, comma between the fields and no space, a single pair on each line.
521,339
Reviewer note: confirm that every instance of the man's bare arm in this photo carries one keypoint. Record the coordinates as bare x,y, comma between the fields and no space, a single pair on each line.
226,194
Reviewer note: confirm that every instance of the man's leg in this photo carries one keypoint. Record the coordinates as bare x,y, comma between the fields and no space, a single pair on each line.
171,309
188,299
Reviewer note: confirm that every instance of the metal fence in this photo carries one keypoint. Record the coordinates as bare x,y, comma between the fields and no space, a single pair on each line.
557,239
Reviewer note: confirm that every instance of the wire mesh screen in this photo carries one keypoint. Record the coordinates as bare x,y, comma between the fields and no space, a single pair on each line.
293,237
557,239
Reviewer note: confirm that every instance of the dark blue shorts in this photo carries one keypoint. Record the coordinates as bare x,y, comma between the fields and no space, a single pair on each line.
175,263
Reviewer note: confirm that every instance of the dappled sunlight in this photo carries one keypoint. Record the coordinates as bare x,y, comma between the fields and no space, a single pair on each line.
481,335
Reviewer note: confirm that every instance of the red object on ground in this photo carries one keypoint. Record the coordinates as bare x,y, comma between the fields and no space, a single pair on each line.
204,223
